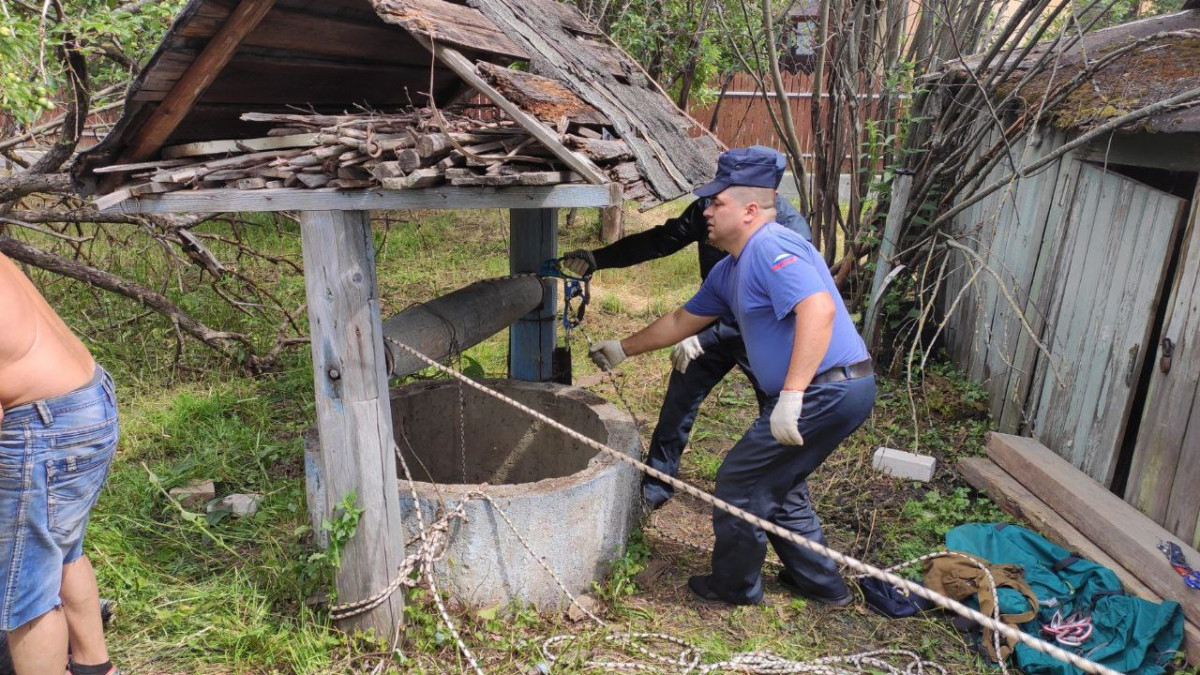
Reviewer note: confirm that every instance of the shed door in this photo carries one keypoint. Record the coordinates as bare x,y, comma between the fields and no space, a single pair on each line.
1164,478
1108,273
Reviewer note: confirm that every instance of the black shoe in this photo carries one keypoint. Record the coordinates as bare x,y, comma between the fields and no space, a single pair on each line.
810,592
701,587
654,498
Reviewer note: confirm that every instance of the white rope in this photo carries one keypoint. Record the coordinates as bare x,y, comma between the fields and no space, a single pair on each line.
840,558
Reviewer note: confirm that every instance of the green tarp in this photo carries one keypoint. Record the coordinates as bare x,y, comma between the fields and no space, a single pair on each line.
1130,635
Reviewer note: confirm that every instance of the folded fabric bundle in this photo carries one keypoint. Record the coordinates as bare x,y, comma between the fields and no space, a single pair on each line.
1128,634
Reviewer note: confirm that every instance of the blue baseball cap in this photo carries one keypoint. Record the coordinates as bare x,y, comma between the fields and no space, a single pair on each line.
755,166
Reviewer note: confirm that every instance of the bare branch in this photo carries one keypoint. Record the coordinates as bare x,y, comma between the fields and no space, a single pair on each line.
225,343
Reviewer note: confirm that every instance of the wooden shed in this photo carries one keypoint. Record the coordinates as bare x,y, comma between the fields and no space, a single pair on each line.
300,105
1100,251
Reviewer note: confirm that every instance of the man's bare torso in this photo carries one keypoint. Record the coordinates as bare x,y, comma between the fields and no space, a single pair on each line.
39,356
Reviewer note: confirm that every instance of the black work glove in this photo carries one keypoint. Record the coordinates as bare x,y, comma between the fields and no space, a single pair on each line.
579,262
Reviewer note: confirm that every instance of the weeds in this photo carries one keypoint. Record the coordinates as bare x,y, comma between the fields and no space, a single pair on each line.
935,514
620,582
324,563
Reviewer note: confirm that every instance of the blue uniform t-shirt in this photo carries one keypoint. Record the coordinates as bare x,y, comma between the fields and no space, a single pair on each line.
775,270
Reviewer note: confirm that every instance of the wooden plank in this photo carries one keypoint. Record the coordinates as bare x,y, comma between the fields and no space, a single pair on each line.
1184,505
200,74
996,235
1045,378
244,145
466,70
1015,500
550,101
1122,531
450,23
977,317
285,28
1028,359
138,166
1098,333
528,178
1069,273
1148,233
1028,216
235,162
421,178
1159,451
533,237
112,199
354,416
443,197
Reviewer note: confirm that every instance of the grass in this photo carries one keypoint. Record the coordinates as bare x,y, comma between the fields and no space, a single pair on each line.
198,594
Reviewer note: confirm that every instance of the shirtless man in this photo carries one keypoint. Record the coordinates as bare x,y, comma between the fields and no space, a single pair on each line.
58,432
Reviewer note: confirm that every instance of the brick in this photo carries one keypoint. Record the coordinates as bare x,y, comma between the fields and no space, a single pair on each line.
901,464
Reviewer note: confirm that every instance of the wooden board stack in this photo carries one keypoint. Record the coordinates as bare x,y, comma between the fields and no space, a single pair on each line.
405,151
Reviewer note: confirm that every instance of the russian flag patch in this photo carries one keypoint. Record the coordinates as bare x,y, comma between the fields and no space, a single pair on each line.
782,260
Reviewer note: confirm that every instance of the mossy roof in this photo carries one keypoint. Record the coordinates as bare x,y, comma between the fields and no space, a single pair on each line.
1159,59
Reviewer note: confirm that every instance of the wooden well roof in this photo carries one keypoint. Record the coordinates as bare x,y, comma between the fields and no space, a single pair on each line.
224,58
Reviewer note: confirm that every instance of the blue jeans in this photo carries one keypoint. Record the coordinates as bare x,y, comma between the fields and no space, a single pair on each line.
723,349
770,480
54,458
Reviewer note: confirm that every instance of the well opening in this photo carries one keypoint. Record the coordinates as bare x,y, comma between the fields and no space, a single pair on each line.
452,433
574,507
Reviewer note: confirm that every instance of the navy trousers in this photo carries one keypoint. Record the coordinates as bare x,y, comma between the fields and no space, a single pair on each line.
723,349
769,480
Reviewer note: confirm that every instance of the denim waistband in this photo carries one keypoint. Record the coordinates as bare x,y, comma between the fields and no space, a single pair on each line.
47,408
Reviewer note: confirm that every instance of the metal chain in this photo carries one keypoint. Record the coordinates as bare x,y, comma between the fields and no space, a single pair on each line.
462,430
840,558
611,376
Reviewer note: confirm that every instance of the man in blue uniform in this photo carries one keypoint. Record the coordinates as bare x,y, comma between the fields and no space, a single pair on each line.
810,362
700,360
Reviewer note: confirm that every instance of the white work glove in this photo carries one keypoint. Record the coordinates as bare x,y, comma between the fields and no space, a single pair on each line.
579,262
607,354
785,418
684,352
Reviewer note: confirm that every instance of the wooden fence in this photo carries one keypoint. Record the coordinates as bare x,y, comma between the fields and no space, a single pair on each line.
742,118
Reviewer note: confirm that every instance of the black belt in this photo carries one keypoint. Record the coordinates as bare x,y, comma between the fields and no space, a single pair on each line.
842,373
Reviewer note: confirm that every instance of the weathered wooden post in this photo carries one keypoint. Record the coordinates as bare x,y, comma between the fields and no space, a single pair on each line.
533,238
354,416
612,224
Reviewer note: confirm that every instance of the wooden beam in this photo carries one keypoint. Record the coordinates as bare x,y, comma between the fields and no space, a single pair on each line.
354,416
444,197
459,320
217,147
1116,527
188,89
612,224
464,68
1016,500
